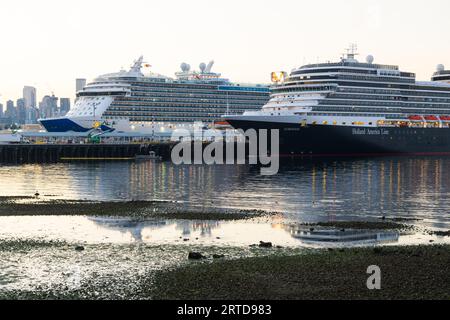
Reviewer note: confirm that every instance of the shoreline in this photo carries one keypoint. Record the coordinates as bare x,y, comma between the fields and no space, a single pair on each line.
254,272
410,272
407,272
32,206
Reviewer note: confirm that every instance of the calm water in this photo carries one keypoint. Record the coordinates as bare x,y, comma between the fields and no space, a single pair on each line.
304,191
124,248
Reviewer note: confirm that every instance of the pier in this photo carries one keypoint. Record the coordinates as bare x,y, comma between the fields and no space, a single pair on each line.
53,153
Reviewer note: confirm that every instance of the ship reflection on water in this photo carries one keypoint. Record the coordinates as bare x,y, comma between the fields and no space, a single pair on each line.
141,229
125,225
244,232
314,235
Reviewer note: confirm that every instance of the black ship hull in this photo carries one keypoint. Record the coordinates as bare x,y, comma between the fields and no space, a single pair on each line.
327,140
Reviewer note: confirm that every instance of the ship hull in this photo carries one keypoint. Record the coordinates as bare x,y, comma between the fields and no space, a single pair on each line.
63,125
327,140
73,124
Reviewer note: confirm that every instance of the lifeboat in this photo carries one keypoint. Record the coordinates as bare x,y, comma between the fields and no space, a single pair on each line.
415,118
431,118
221,124
444,118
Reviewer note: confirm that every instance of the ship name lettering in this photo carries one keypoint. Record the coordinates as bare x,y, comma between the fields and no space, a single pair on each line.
357,131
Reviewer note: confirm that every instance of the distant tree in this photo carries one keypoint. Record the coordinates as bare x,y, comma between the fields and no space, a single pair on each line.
14,126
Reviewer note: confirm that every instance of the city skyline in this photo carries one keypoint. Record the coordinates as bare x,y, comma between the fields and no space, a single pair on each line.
262,37
27,110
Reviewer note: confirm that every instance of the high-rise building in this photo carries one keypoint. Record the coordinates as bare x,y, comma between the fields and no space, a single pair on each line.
29,95
80,84
64,106
10,111
1,110
32,115
21,111
48,107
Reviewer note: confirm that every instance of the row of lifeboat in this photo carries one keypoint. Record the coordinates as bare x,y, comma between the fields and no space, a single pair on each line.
429,118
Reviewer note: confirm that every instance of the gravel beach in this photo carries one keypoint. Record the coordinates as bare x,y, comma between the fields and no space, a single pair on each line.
419,272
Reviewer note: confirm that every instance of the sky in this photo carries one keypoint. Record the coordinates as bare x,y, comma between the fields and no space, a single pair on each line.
50,43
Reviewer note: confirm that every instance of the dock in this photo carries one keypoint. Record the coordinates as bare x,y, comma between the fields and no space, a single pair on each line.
53,153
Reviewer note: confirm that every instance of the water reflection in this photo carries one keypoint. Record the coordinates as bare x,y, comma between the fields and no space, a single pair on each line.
103,230
137,227
304,190
128,225
204,229
314,235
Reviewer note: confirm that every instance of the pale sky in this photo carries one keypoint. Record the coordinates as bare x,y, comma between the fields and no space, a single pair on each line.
49,43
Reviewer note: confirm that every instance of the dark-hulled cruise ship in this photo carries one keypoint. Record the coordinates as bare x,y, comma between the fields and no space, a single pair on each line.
353,108
129,101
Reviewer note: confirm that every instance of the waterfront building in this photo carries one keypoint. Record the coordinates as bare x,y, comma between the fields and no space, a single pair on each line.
32,115
10,111
48,107
21,111
64,106
29,96
80,84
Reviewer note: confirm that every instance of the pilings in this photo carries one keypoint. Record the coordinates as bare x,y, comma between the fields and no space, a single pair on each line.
52,153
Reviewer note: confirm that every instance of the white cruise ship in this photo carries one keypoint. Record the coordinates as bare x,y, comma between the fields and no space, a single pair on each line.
355,108
131,101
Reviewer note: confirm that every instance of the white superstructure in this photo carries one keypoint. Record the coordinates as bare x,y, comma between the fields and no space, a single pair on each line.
131,101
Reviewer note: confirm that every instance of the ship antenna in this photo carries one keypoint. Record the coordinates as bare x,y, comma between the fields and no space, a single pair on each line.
352,51
137,66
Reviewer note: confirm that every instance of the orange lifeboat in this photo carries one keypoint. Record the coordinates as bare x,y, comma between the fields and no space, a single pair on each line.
431,118
415,118
445,118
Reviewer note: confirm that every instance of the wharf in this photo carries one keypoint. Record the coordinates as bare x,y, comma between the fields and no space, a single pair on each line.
52,153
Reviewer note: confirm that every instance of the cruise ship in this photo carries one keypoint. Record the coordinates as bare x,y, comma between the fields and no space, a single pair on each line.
355,108
131,101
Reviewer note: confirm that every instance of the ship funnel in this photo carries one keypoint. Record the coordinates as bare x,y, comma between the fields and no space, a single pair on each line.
209,66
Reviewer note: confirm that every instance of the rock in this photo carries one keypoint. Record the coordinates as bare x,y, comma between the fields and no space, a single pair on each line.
195,256
442,233
217,238
79,248
279,247
186,239
263,244
377,250
218,256
431,241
